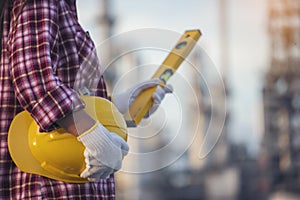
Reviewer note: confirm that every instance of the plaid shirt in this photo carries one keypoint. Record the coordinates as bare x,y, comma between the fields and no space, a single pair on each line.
46,56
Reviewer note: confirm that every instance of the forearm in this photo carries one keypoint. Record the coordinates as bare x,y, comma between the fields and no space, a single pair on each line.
77,122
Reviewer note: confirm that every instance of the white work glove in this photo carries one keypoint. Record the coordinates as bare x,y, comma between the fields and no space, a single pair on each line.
123,100
103,152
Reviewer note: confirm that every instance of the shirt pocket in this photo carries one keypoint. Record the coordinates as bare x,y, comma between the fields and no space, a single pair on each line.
89,72
84,43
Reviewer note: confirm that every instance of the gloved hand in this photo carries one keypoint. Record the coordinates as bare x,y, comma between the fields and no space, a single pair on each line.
123,100
103,153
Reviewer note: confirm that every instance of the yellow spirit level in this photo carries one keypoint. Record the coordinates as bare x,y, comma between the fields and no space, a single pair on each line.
143,102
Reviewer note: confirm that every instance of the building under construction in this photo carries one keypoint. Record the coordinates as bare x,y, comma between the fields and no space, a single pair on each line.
281,97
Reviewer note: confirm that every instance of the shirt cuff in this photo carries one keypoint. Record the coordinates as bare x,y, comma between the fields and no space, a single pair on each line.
55,105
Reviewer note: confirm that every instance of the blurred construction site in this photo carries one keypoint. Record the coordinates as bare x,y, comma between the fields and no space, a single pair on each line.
231,128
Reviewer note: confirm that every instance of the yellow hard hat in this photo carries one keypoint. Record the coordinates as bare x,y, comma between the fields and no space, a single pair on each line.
58,154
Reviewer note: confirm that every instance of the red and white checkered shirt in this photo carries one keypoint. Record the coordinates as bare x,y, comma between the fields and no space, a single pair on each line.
46,56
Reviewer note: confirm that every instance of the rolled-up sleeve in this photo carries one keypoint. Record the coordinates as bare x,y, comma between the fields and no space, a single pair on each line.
38,89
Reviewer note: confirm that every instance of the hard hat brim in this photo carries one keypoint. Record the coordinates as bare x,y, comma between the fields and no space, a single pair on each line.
20,150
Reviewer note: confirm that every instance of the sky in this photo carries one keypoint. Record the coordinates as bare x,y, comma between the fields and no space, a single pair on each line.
247,39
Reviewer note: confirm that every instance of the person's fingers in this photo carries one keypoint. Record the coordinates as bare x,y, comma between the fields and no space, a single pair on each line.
92,171
168,88
123,144
144,85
